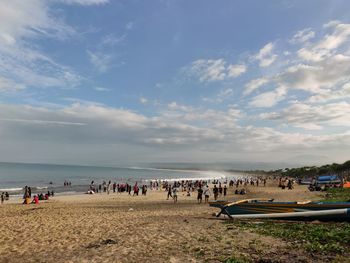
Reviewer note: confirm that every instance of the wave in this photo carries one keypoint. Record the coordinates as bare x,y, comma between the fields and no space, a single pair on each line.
162,169
204,176
40,187
11,189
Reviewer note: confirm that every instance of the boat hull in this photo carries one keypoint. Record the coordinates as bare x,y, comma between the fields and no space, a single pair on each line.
323,215
254,207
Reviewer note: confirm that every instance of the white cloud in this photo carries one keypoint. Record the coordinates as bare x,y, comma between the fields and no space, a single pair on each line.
254,84
100,61
23,64
102,89
9,85
236,70
177,107
326,74
84,2
326,47
25,19
224,94
129,25
313,116
181,130
308,126
303,36
209,70
215,70
43,122
268,99
266,56
340,35
112,40
143,100
329,94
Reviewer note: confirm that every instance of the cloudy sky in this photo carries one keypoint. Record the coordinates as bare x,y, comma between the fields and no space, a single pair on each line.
129,81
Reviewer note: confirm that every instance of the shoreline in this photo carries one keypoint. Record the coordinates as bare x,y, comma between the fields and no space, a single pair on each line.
207,176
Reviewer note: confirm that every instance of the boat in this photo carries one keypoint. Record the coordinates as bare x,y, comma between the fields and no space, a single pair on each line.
268,208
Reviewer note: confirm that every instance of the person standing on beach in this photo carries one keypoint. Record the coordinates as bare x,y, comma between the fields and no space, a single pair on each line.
216,192
206,193
136,189
169,192
200,194
108,187
220,189
2,197
25,195
225,190
175,191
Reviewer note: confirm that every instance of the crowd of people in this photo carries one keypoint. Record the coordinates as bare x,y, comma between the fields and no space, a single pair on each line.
202,188
28,195
105,187
4,197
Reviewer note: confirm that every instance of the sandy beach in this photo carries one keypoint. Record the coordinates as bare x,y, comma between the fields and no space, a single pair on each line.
123,228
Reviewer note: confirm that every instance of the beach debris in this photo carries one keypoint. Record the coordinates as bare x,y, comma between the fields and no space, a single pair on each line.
102,243
109,242
131,209
186,221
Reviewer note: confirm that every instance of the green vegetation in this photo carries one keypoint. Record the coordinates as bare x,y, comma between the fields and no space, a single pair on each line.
337,195
235,260
310,171
321,238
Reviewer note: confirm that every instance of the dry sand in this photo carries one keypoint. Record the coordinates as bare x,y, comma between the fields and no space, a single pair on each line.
123,228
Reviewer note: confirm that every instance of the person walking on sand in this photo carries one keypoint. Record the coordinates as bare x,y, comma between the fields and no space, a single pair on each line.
169,192
108,187
2,198
200,194
216,192
175,191
206,193
25,195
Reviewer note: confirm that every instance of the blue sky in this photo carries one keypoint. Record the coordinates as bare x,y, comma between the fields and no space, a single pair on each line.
122,82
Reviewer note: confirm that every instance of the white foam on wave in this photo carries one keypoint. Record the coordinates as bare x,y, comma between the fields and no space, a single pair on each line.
11,189
40,187
204,176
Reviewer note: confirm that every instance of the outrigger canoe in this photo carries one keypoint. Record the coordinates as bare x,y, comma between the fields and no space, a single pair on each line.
267,208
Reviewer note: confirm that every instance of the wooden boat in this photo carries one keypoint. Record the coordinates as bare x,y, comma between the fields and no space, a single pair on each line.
267,208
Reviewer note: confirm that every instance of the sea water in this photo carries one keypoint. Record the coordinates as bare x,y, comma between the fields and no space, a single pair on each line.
48,177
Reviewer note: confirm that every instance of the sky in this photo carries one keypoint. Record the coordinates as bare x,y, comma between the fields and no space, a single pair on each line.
113,82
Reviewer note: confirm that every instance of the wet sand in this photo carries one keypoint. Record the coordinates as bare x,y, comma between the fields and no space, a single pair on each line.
123,228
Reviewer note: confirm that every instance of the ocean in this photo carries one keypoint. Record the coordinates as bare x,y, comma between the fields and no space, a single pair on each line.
49,177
